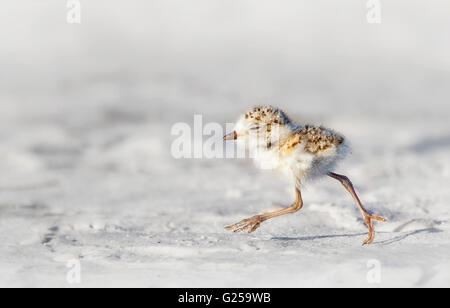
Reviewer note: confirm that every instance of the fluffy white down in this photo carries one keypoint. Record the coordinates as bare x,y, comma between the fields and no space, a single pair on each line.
300,166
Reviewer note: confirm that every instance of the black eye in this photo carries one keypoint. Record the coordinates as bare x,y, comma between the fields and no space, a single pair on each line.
254,128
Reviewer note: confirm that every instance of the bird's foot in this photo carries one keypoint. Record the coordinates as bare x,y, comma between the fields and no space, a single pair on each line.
368,220
250,224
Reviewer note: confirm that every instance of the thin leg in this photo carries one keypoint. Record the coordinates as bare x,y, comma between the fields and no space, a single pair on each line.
252,223
366,215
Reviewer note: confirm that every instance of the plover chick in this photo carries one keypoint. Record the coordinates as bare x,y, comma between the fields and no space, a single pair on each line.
301,152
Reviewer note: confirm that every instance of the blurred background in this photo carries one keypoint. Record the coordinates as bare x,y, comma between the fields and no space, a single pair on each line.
86,111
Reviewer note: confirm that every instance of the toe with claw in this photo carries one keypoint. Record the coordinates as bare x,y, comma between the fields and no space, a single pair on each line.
250,224
368,220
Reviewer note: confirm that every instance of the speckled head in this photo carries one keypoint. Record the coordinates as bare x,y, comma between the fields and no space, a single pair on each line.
258,120
266,114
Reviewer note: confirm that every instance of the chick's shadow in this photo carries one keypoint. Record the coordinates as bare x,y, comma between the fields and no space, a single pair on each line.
412,233
318,237
385,242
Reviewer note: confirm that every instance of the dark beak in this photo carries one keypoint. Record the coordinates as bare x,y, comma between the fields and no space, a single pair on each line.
230,136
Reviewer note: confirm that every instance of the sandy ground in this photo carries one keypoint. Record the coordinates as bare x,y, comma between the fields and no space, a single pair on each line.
85,134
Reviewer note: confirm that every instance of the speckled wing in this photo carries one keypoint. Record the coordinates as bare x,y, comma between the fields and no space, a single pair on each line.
312,139
311,151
